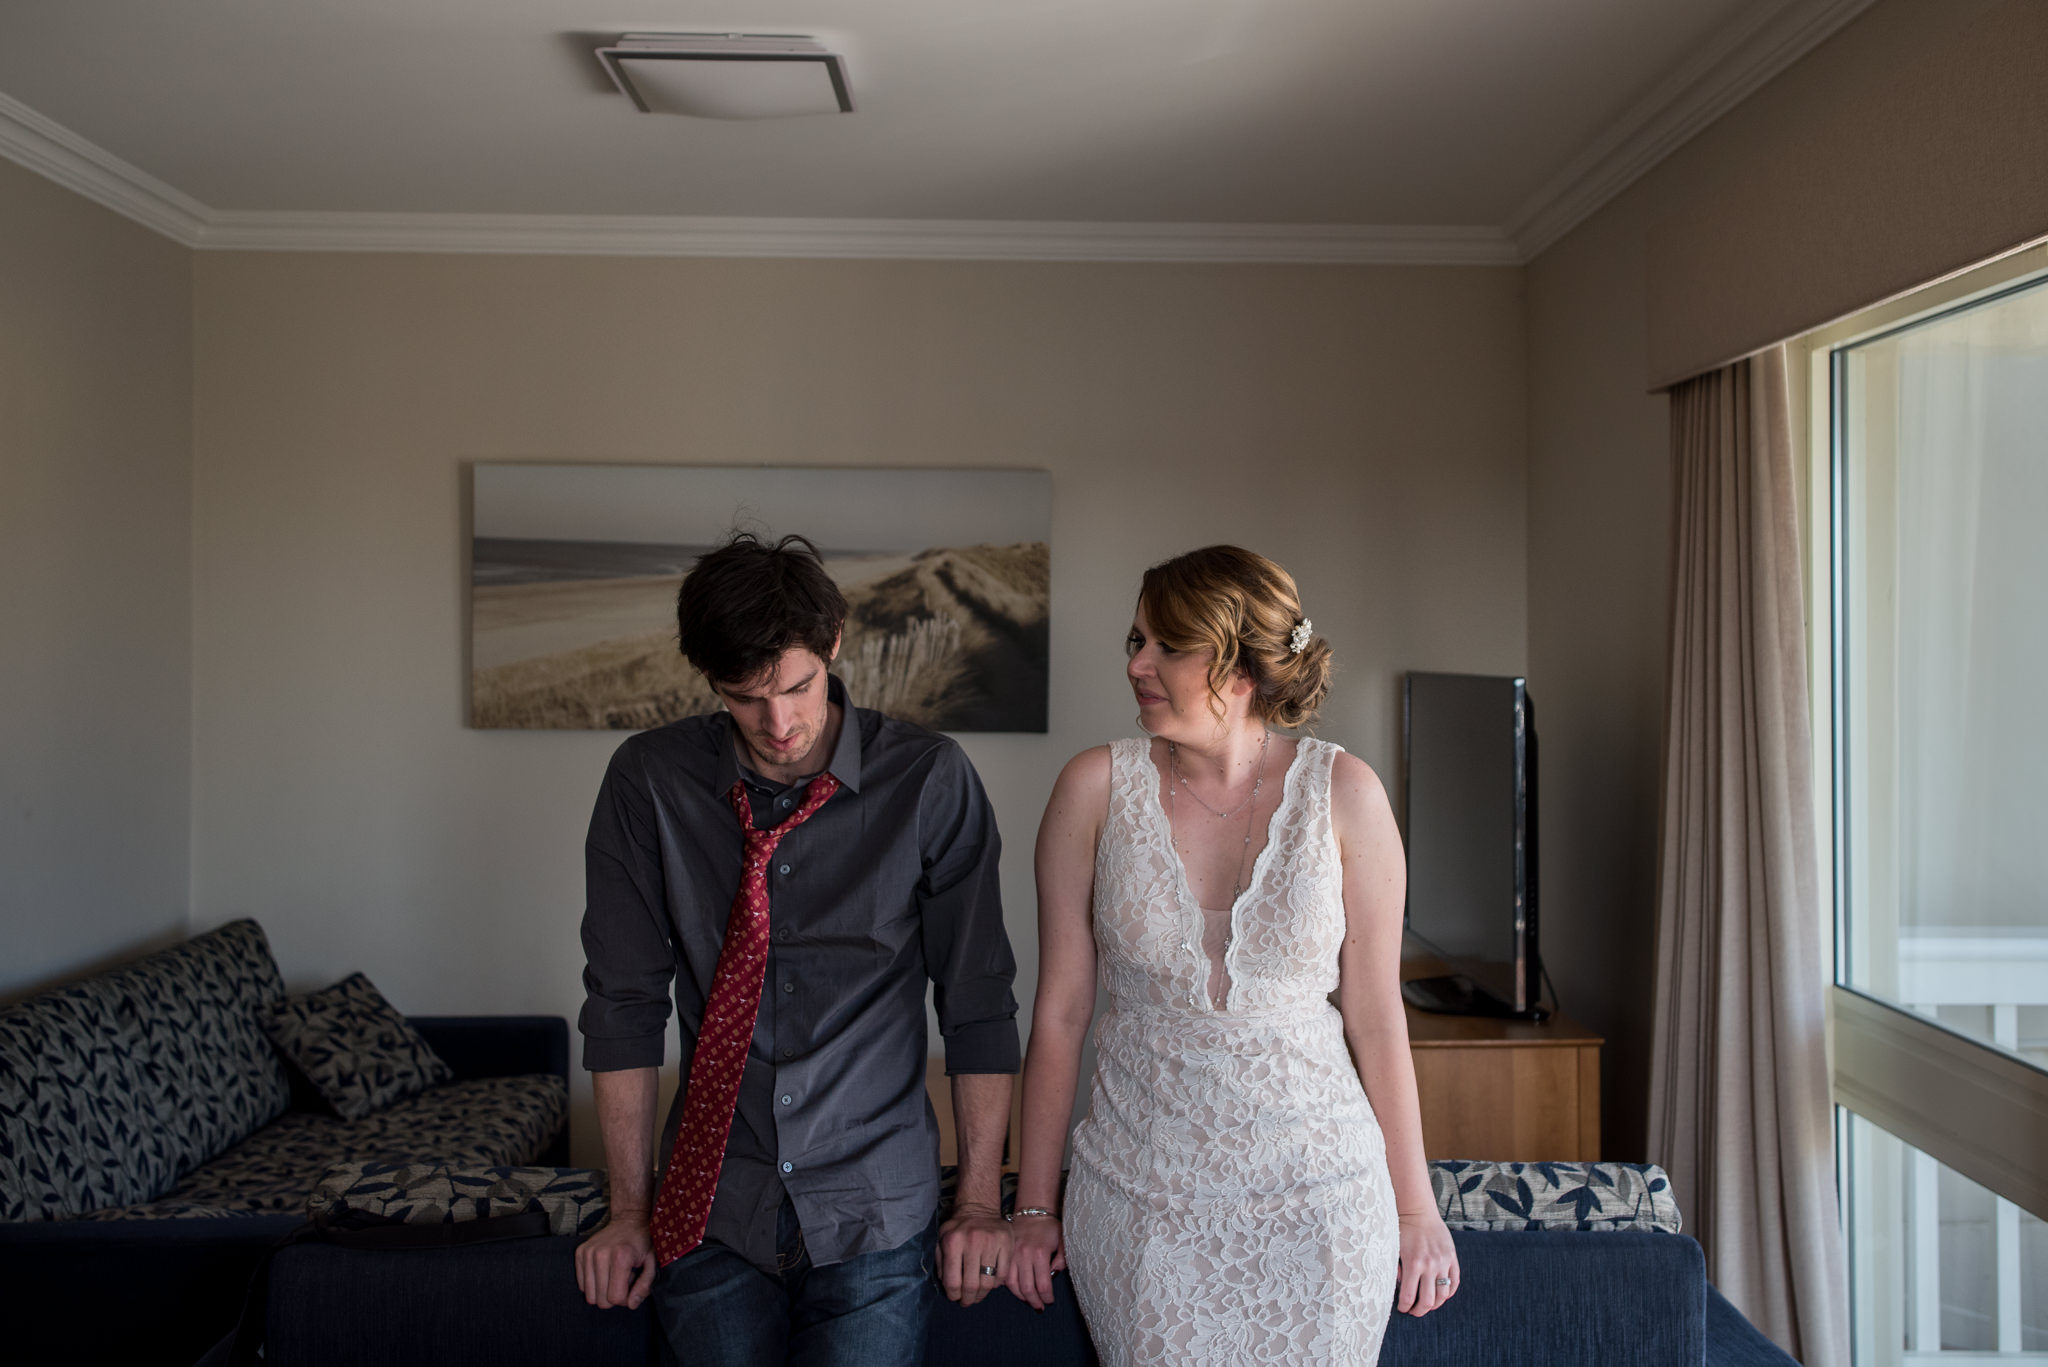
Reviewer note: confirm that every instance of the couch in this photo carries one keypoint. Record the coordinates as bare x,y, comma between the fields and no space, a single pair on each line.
154,1146
1613,1291
1528,1300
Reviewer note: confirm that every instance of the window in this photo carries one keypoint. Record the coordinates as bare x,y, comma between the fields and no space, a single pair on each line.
1928,555
1941,1266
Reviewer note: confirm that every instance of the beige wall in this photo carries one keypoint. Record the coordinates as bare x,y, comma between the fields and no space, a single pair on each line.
1652,284
1905,148
1363,425
95,574
1598,542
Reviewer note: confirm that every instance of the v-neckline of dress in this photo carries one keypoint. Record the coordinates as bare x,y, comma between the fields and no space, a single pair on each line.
1184,890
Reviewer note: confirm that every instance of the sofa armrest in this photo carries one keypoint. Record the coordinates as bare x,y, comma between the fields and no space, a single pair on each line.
498,1046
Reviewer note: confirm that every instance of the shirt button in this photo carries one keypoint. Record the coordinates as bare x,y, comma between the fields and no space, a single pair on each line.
788,1051
785,1098
789,1167
783,869
789,987
785,802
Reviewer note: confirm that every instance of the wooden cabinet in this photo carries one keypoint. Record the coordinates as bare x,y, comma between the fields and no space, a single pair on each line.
1503,1090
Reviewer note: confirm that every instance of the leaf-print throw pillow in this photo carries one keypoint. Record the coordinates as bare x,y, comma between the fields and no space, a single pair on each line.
1582,1196
353,1046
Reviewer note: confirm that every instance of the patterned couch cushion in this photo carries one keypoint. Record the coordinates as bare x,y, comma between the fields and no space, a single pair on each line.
75,1132
573,1199
478,1123
209,1077
1583,1196
353,1046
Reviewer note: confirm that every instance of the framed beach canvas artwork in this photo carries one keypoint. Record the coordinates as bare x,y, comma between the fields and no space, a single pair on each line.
574,570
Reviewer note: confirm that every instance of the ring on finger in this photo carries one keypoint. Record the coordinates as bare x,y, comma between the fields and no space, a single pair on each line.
987,1271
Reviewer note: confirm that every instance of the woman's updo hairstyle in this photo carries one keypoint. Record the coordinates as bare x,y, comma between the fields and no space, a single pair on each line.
1246,609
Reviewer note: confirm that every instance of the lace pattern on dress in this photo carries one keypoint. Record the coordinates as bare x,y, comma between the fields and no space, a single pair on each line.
1230,1200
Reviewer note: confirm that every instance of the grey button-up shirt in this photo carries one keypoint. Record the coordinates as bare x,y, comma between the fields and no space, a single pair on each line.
891,882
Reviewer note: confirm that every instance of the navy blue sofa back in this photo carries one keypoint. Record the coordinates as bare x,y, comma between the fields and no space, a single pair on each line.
1554,1298
1528,1299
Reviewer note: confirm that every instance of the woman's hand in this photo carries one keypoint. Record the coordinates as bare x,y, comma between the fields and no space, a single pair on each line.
1429,1264
1037,1250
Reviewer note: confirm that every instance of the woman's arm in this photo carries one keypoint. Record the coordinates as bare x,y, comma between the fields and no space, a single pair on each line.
1376,1025
1065,864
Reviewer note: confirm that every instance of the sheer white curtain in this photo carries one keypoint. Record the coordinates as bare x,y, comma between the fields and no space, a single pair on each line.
1972,584
1740,1109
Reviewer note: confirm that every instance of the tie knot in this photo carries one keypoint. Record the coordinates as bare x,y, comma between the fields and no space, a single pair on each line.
816,795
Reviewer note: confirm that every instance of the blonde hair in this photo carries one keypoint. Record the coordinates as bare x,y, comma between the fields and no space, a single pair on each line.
1244,608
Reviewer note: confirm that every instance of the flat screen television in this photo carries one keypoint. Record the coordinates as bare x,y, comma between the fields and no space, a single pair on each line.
1469,782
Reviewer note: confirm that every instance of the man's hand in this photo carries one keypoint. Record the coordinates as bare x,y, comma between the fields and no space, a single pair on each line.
608,1261
976,1238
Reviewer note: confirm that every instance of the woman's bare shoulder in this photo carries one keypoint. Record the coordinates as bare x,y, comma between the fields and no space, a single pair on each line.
1086,774
1080,797
1357,797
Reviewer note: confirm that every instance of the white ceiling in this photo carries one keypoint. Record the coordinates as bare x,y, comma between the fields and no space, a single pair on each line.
1486,113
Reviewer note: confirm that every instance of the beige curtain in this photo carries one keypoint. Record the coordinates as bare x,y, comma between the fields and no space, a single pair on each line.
1740,1113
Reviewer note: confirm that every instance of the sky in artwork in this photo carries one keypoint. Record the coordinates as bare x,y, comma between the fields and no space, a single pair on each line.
839,509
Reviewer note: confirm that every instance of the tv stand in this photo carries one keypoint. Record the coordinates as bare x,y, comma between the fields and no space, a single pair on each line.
1496,1088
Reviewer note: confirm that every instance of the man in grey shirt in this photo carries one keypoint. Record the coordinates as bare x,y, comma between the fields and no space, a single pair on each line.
796,1218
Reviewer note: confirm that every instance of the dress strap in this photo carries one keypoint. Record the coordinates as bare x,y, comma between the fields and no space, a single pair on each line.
1318,760
1124,757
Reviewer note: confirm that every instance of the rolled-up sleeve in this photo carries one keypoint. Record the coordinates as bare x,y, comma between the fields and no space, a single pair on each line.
966,948
629,961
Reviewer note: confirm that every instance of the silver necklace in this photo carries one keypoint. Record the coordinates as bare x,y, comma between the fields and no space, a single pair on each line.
1248,807
1180,780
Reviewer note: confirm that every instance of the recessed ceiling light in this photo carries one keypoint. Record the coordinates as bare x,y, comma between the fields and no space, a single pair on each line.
727,75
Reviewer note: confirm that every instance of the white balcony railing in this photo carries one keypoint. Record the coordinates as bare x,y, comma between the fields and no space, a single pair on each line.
1994,972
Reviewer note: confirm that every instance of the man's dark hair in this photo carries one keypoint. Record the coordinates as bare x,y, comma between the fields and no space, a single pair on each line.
746,602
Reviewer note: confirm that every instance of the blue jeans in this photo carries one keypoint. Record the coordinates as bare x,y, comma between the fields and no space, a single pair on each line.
719,1310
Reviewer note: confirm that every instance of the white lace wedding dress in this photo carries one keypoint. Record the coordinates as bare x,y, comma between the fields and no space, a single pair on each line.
1229,1201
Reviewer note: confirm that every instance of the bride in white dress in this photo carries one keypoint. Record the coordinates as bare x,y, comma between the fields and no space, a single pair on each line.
1248,1185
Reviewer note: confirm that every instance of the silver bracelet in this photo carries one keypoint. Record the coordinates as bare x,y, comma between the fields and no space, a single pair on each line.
1031,1210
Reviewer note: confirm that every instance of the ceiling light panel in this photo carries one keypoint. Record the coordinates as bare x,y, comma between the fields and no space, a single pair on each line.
727,76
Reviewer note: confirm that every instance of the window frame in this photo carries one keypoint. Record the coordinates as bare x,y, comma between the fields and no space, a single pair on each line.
1968,1105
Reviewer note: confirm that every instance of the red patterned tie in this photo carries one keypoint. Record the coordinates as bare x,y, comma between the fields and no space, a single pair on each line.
729,1013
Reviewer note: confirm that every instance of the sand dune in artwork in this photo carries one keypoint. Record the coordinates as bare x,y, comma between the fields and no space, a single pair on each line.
952,638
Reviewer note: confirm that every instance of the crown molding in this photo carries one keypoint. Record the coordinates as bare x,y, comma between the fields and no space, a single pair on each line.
1732,65
1746,53
858,238
48,148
